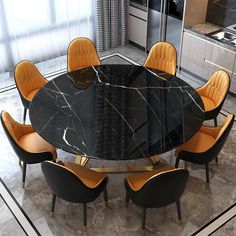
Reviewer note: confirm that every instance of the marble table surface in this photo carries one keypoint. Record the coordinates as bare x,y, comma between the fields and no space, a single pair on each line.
116,112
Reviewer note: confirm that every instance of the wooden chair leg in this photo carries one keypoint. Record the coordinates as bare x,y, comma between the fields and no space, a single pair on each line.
177,163
24,116
85,215
178,209
144,219
215,122
207,172
54,197
23,174
216,159
105,197
126,200
185,165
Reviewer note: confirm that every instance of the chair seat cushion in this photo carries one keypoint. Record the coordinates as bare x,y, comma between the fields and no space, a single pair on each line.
33,143
137,181
208,103
89,177
200,142
31,94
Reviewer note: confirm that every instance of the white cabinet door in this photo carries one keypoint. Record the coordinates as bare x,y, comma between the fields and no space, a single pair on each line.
137,30
203,58
217,57
233,79
193,52
137,12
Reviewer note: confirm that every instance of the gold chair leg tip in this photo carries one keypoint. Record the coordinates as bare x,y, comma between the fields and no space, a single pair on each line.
126,205
51,214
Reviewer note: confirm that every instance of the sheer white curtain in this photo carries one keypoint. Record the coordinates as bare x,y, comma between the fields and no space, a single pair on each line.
39,30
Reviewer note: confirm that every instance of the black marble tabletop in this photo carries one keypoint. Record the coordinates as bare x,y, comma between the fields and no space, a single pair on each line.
116,112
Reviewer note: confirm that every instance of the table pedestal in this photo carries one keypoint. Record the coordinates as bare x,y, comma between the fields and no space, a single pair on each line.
155,160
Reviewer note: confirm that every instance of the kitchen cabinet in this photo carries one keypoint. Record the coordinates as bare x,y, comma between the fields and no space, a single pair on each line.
137,26
217,57
193,51
203,57
233,79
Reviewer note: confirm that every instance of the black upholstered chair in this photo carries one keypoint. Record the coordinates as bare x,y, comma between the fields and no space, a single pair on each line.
27,144
205,145
156,188
74,183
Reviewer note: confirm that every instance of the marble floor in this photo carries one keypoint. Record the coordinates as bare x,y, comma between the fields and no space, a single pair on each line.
200,202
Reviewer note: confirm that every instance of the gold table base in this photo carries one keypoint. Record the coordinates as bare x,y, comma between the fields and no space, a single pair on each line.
81,160
155,160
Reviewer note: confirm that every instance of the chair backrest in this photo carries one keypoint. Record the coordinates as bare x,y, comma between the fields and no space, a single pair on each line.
216,87
14,131
11,127
28,78
162,189
67,185
162,56
222,134
81,53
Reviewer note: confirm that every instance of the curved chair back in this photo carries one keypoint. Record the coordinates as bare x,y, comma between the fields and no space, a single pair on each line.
220,134
27,79
81,53
162,56
65,184
161,189
217,87
14,132
216,90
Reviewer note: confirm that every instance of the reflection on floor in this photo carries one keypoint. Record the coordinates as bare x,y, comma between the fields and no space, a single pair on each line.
200,202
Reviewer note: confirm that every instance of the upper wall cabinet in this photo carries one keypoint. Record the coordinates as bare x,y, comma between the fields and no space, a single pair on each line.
221,12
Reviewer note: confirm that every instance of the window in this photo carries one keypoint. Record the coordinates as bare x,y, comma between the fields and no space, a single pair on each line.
40,30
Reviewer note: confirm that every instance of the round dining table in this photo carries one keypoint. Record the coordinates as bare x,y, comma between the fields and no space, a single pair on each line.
116,112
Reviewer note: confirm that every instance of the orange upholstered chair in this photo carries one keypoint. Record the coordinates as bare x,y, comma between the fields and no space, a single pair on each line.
205,145
81,53
27,144
213,94
162,56
28,81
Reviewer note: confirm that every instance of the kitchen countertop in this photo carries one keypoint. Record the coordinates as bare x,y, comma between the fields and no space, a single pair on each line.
202,31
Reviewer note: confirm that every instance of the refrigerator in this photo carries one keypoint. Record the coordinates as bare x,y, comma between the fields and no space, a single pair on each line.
165,18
